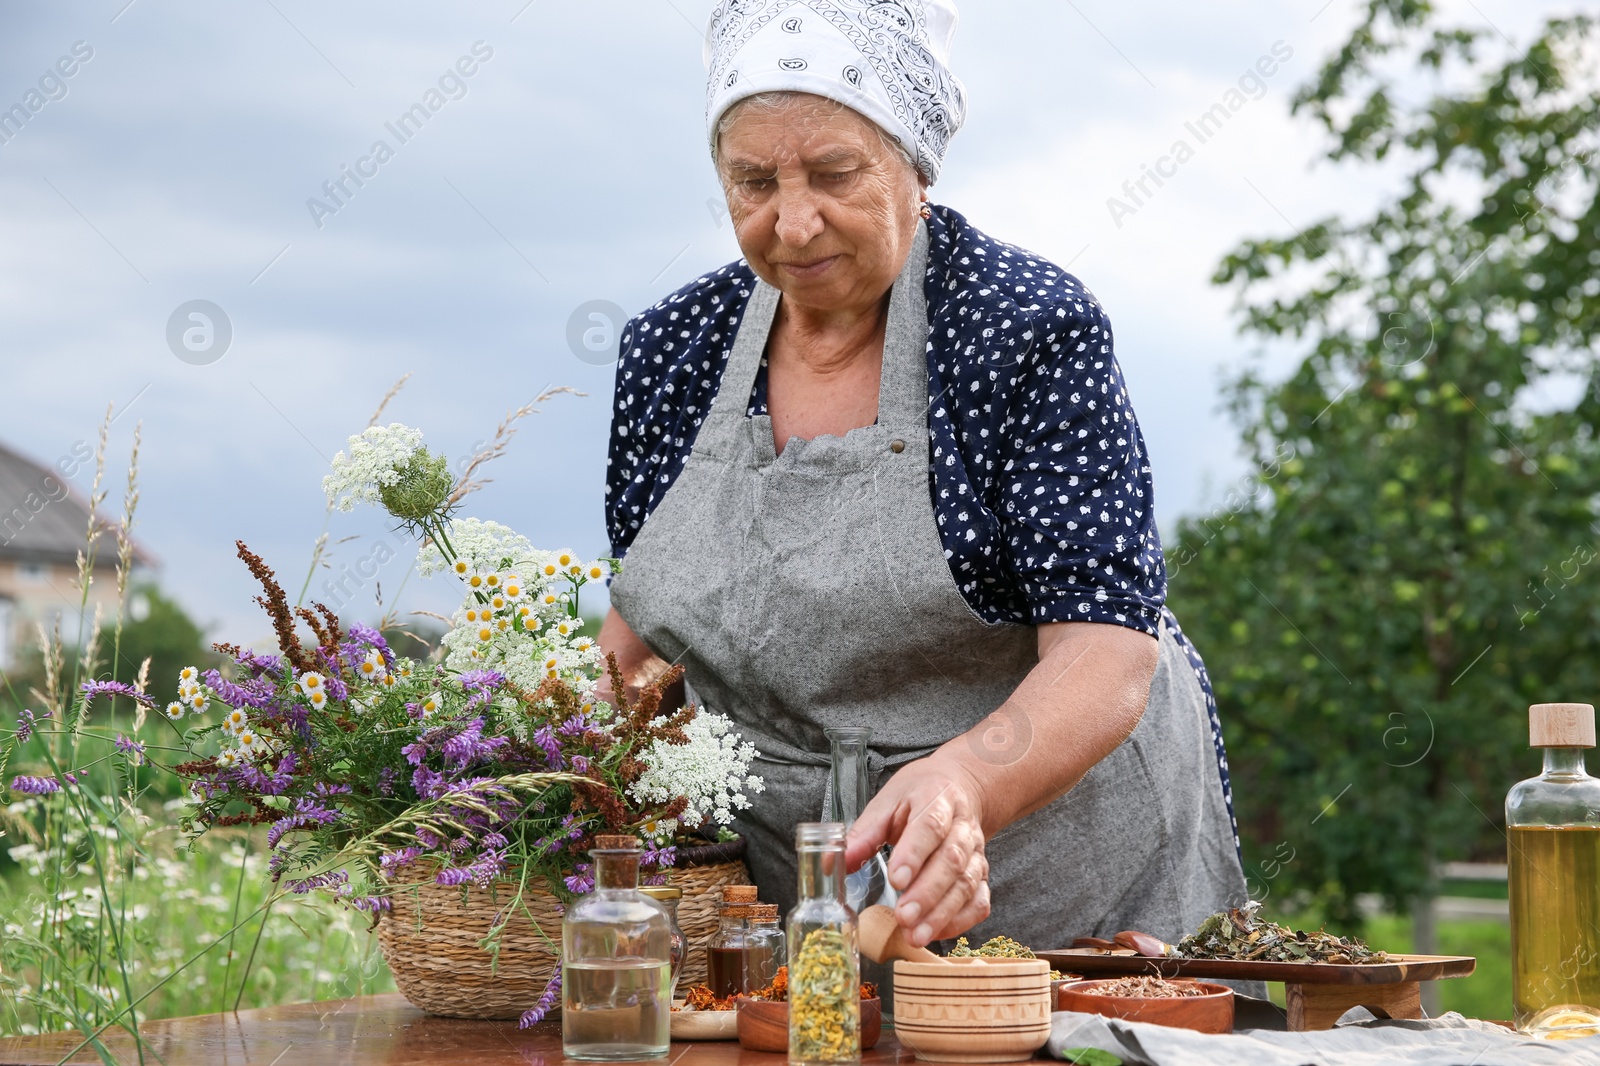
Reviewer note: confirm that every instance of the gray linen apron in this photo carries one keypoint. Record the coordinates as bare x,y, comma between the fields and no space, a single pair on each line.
810,590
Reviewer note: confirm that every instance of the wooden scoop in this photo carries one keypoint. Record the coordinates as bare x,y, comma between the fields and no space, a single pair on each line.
882,938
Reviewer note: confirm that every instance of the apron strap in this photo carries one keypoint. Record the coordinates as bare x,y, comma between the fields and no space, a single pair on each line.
903,386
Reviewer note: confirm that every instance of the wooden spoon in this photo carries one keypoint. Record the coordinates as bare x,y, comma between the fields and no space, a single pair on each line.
882,938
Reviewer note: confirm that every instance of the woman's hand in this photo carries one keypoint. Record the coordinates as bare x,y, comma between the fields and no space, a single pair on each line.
1083,699
933,810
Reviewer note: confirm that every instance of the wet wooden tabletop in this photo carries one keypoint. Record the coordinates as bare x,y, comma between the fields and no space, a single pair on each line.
355,1032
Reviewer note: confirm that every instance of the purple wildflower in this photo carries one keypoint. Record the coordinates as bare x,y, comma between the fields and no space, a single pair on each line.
428,838
386,778
25,723
453,875
307,812
575,726
547,1000
495,841
310,884
373,904
460,845
131,748
489,865
468,746
545,738
91,689
429,784
581,880
364,638
391,861
35,786
580,764
253,693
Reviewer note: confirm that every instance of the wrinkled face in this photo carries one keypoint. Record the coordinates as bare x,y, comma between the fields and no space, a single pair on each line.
824,208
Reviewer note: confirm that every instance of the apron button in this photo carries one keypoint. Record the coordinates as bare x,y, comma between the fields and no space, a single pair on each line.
897,446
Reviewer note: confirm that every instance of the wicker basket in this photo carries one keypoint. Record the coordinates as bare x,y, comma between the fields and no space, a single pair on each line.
431,939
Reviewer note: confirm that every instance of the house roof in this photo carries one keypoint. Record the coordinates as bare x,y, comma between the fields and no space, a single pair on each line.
42,519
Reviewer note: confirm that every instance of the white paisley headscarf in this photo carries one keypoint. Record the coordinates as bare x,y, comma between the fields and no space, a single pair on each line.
887,59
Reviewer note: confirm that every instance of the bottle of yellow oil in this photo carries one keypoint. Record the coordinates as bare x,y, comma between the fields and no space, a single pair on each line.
1553,852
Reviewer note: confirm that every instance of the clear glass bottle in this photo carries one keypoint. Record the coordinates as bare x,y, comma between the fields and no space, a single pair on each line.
824,967
1553,853
728,966
767,945
669,898
616,963
849,791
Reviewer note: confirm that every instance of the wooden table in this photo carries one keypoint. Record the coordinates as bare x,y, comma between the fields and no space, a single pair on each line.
361,1031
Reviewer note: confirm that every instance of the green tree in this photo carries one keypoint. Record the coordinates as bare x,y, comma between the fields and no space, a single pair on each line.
1414,561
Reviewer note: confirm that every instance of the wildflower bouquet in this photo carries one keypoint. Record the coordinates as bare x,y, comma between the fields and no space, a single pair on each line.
496,760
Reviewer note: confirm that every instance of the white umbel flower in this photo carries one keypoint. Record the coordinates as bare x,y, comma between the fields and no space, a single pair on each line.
371,464
708,771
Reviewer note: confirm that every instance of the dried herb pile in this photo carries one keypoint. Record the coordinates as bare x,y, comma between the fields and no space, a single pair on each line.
1242,934
999,947
824,1007
1146,988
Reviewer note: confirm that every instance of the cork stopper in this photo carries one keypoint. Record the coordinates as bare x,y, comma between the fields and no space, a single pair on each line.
1561,725
737,910
739,893
764,912
617,842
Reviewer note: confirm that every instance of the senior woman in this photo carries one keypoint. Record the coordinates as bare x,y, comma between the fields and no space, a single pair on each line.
883,471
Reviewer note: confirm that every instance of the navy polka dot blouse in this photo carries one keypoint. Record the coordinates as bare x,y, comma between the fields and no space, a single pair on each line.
1038,474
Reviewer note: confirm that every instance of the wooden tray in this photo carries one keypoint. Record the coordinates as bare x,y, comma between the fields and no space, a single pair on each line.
1404,968
1316,994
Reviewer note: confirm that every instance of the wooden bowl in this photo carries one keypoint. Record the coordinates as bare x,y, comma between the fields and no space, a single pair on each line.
1210,1013
972,1009
764,1025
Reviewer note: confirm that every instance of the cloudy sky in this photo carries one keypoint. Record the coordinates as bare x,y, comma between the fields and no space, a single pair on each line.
176,164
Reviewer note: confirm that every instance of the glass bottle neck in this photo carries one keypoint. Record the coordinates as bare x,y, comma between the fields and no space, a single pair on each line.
822,873
616,869
1564,762
849,757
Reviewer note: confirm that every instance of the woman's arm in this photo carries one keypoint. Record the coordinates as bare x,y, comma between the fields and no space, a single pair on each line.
639,665
1072,710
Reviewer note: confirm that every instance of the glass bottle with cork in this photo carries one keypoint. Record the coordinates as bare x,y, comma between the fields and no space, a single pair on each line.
824,967
1553,851
616,963
729,967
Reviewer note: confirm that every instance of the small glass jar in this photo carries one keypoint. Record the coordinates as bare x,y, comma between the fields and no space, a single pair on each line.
616,964
824,967
669,898
766,945
727,964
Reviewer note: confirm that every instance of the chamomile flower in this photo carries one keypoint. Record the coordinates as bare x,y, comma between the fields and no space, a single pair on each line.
485,633
566,627
550,569
498,602
317,698
491,580
247,742
175,711
311,681
596,572
188,676
582,644
199,702
530,622
552,664
475,581
472,614
405,669
512,587
228,760
503,624
565,560
389,680
235,721
550,599
460,568
431,705
186,689
372,668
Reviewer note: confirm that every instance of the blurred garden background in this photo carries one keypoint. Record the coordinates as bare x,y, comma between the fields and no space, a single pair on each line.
1358,322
